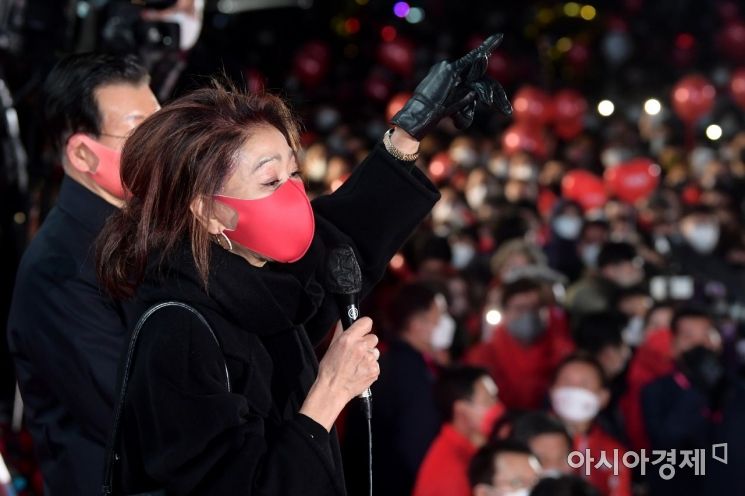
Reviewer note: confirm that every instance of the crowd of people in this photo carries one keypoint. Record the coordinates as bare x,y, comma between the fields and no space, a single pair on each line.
534,340
523,326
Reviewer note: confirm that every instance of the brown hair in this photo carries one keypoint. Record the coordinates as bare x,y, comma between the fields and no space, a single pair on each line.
181,153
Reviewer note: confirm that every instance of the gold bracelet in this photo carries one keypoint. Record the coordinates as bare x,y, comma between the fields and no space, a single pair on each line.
406,157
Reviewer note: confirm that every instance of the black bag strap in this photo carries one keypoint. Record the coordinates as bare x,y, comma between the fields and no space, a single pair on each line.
112,451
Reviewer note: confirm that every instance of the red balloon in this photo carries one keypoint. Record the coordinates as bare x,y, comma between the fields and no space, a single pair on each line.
732,41
567,130
737,87
397,55
633,180
532,106
585,188
569,105
693,97
312,63
524,137
396,104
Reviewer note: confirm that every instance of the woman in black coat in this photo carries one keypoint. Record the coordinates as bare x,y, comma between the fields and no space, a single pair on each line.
218,220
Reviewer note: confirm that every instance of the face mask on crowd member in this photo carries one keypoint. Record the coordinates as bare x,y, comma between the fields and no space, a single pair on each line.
700,229
619,263
579,392
93,158
567,224
593,235
467,399
444,331
524,312
547,438
697,348
503,468
634,303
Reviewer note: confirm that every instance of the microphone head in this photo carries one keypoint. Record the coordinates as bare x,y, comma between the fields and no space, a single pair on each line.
343,274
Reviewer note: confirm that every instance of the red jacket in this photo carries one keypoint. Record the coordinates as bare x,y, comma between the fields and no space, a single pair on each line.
653,359
444,471
524,373
603,477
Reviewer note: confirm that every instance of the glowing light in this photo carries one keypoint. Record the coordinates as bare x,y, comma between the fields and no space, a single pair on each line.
588,12
415,15
571,9
564,44
352,25
437,168
652,106
713,132
606,108
685,41
401,9
493,317
397,262
388,33
545,16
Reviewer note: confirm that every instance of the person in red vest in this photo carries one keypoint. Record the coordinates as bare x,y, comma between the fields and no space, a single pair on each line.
526,346
578,394
467,399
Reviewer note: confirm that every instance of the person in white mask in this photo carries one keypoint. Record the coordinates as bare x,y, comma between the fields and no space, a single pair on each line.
503,468
702,250
700,230
578,394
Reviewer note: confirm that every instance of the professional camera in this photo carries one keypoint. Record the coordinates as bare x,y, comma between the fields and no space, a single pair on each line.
124,30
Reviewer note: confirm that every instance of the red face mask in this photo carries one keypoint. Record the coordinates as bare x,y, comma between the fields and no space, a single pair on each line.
107,172
279,226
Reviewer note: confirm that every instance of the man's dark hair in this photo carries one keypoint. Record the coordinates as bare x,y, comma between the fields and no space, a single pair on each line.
411,299
566,485
453,384
482,467
582,357
69,92
616,252
535,423
519,286
689,312
596,331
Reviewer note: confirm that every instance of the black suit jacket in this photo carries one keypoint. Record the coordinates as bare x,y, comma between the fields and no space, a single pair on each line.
65,337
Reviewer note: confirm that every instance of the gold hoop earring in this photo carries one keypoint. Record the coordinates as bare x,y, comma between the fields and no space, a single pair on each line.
227,240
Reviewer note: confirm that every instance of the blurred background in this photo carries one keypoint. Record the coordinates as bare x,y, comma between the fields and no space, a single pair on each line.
627,138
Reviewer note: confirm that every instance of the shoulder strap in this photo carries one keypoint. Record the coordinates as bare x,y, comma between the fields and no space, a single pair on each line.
112,454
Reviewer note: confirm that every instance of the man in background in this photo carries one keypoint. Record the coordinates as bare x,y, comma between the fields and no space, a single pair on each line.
65,336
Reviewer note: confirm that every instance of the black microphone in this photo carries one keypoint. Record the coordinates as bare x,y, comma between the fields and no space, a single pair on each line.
344,281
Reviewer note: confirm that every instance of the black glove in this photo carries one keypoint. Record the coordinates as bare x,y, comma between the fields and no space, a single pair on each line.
705,370
453,89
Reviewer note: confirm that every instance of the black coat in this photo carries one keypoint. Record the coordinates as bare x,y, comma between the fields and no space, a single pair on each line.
66,337
182,429
678,417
